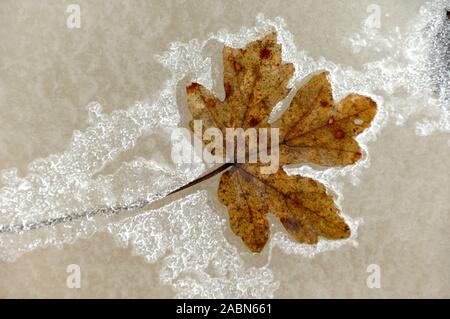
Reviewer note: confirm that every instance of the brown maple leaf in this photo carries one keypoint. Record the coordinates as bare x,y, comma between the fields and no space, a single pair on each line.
313,129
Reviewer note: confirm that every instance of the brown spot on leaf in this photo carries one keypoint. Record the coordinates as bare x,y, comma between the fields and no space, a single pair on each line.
211,102
265,53
193,86
324,103
253,122
338,133
228,89
237,66
290,224
357,156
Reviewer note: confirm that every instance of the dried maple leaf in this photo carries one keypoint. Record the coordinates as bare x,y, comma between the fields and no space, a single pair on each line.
313,129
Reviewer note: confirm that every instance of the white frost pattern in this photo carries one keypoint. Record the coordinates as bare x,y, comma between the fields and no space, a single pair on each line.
201,262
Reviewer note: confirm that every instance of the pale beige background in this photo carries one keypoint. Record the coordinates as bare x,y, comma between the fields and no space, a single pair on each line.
54,72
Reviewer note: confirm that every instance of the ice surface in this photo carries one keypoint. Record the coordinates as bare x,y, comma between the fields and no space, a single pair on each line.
410,79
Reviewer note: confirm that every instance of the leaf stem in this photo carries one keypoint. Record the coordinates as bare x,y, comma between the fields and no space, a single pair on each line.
202,178
18,228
